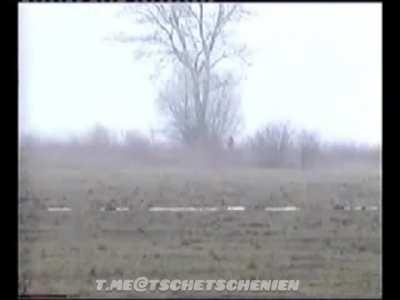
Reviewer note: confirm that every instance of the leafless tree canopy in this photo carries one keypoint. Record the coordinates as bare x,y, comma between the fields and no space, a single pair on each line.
177,104
309,146
271,143
99,137
194,37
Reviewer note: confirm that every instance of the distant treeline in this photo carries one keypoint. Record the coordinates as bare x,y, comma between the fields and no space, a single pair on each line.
276,145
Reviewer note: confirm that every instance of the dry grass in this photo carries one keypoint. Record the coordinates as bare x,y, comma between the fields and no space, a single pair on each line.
333,253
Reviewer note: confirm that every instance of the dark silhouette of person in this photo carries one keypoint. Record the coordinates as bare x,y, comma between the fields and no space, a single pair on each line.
231,143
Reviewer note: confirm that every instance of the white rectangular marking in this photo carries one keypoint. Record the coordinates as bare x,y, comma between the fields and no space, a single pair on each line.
236,208
178,209
359,208
372,207
122,208
59,209
283,208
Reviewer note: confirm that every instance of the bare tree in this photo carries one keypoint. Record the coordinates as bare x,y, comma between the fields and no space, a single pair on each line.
177,104
99,138
309,147
271,144
194,37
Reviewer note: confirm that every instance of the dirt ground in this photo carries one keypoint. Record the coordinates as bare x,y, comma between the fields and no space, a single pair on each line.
334,253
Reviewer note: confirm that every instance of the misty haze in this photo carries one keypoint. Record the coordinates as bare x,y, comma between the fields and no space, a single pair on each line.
200,141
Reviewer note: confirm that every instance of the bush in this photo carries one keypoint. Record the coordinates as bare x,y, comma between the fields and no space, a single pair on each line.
272,144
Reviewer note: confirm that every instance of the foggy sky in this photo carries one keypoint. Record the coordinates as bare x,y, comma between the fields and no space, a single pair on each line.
317,65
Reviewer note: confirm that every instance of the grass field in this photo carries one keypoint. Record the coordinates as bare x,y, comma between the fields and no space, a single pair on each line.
333,253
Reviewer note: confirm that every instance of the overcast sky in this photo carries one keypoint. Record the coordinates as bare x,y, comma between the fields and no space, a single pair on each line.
317,65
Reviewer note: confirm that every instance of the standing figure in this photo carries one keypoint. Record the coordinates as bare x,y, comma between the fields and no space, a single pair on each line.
231,143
